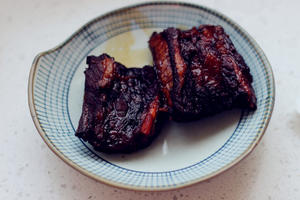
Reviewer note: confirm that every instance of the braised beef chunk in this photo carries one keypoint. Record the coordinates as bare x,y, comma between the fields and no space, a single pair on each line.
200,72
120,107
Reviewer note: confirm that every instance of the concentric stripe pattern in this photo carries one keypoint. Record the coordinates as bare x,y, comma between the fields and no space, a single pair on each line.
55,69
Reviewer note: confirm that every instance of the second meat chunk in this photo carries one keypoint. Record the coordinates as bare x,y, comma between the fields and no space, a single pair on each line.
200,72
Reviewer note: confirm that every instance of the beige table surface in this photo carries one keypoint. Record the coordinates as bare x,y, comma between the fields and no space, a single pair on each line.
29,170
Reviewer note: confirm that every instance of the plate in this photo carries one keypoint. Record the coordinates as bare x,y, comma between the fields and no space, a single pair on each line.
184,153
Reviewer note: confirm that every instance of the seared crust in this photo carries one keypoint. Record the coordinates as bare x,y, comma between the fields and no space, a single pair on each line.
162,62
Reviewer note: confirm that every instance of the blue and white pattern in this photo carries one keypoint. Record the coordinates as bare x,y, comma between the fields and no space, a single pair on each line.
52,73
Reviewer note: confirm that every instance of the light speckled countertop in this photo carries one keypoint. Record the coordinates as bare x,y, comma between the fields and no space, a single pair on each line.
29,170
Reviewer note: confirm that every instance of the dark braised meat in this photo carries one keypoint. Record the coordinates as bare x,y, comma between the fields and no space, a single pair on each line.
120,107
196,73
200,72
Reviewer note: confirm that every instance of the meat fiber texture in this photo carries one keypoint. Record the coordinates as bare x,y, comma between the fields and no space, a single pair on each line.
200,72
120,106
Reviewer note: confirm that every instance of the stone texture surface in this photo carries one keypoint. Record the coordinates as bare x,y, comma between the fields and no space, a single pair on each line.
29,170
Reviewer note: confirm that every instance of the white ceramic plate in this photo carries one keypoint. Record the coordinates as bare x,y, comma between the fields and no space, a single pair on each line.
184,153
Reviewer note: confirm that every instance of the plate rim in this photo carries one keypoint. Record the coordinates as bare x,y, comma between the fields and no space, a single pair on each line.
251,147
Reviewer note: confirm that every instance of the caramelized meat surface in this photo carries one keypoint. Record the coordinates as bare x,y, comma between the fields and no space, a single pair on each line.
196,73
200,72
120,107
